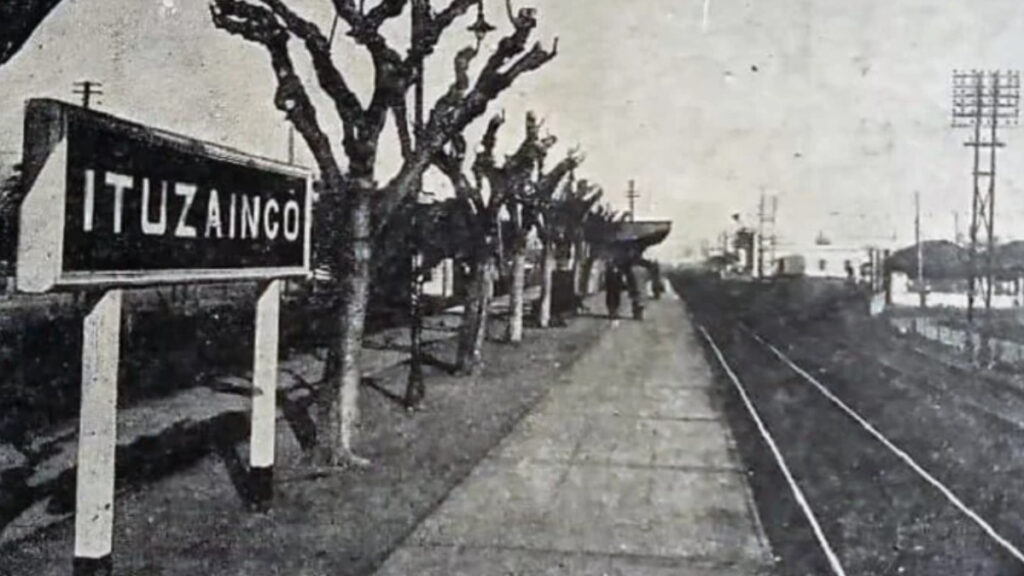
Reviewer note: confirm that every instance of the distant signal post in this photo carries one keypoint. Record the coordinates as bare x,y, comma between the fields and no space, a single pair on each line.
984,101
112,205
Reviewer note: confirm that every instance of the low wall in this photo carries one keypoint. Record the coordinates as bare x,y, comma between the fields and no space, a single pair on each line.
1002,351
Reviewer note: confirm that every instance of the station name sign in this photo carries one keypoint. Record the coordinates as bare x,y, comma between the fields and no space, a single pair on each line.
114,203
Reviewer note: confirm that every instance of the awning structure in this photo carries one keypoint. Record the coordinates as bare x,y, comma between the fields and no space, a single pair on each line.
946,260
1010,258
627,236
942,259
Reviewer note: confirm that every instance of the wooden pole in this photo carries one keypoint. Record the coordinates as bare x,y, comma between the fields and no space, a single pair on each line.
97,438
920,250
264,396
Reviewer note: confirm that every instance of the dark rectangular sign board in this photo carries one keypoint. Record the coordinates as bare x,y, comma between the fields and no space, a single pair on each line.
111,203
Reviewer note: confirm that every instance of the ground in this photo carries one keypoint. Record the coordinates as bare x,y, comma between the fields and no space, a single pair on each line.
626,468
623,447
194,521
960,425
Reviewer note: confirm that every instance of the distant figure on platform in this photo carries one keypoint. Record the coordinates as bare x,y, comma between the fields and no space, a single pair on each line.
635,298
613,290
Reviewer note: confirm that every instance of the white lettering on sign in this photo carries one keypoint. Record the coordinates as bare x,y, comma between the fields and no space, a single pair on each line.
269,222
90,199
148,226
120,182
213,214
231,218
188,192
291,220
248,216
251,216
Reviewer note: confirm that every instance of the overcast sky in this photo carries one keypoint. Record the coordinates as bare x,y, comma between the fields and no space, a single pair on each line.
841,109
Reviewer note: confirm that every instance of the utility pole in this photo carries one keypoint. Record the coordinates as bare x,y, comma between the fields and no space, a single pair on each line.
632,195
956,227
291,143
415,389
920,249
87,89
762,216
988,99
766,231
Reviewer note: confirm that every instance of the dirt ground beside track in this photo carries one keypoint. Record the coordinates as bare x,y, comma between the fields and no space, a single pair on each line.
343,524
965,428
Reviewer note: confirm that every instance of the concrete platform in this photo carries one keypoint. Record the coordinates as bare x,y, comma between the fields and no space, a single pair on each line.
627,468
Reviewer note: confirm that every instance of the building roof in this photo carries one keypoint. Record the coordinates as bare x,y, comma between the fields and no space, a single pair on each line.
942,259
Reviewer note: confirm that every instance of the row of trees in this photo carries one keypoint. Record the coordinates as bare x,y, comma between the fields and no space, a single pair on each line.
498,203
359,208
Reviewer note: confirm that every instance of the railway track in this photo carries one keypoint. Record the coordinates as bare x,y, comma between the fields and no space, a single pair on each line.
869,476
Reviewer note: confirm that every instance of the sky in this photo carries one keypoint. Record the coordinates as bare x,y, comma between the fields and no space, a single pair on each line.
839,109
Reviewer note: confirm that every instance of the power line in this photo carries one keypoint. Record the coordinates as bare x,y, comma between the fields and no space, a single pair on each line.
632,195
766,231
88,89
920,248
989,99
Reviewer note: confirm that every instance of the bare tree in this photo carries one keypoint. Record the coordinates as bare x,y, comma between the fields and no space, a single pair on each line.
526,191
357,204
480,217
542,210
578,211
561,231
595,228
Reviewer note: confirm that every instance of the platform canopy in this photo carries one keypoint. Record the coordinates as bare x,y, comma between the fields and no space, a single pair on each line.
629,236
942,259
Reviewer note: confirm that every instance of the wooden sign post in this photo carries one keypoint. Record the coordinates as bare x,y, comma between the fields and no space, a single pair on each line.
264,396
97,436
111,204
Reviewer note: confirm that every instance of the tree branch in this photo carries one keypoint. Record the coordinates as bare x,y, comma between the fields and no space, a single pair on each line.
548,182
432,27
465,102
259,25
330,78
461,105
401,116
382,12
484,166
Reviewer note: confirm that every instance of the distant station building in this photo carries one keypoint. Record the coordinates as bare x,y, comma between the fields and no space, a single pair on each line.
945,272
828,261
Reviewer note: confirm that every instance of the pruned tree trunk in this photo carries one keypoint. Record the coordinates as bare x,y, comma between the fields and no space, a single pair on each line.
475,293
415,388
473,331
517,295
339,393
577,269
480,332
547,265
273,25
586,273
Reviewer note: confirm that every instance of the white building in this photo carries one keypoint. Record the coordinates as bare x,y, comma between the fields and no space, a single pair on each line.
827,261
952,293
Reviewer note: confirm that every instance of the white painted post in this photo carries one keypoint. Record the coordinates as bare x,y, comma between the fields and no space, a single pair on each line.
264,396
97,438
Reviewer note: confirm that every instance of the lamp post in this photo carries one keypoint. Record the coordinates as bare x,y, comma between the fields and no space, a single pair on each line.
415,389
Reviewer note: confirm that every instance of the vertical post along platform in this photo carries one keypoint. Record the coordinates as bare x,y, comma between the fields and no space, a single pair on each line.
97,437
264,396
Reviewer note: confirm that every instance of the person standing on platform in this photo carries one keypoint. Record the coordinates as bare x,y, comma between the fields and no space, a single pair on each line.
613,289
